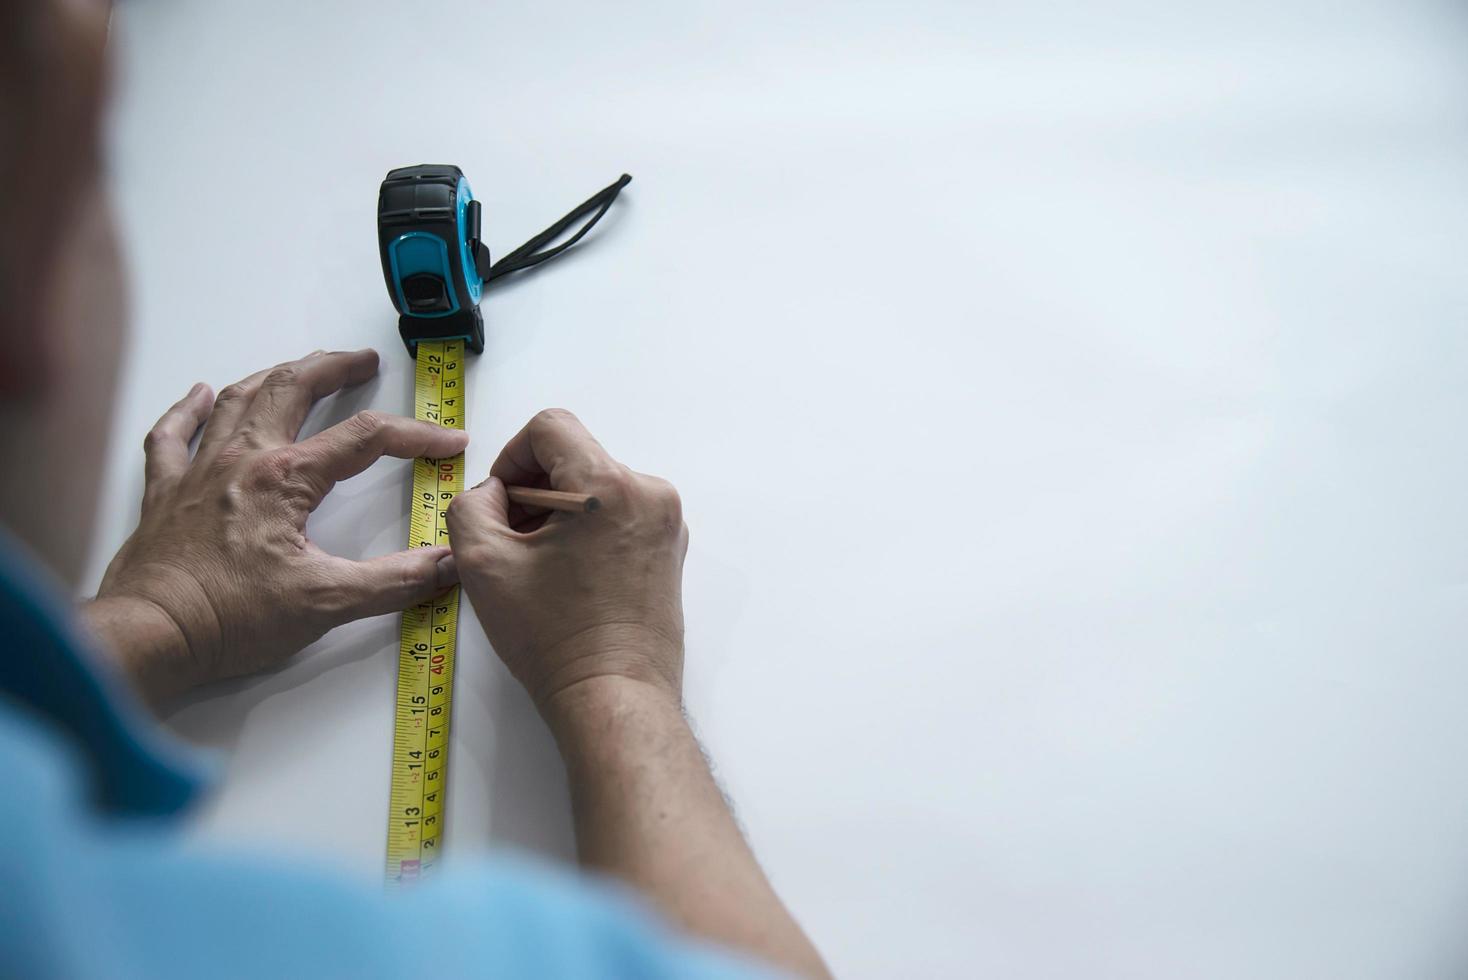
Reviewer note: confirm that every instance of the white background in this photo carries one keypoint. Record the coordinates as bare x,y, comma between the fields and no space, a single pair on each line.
1067,401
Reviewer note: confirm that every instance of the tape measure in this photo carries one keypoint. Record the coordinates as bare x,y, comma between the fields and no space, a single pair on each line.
436,268
428,234
420,752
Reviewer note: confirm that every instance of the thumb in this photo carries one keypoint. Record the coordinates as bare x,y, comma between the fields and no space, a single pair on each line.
391,583
479,513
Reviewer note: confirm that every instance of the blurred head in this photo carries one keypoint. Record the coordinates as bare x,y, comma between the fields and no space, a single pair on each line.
61,307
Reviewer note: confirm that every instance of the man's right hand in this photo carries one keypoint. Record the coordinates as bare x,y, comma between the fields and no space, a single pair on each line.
587,612
568,599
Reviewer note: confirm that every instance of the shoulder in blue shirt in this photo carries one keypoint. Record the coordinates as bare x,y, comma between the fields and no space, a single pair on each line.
98,886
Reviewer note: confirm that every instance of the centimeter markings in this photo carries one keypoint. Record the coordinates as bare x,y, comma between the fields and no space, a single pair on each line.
420,748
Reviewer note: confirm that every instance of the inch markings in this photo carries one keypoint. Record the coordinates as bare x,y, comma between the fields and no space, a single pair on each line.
429,636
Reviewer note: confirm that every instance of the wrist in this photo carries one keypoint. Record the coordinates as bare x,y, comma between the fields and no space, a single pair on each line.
596,712
145,643
599,662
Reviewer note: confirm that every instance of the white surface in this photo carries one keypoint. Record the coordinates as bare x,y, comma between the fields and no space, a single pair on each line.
1166,299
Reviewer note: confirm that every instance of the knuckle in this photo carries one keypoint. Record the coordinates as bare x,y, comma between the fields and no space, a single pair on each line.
663,491
275,467
366,427
663,500
284,376
459,508
548,417
369,421
232,393
411,578
154,439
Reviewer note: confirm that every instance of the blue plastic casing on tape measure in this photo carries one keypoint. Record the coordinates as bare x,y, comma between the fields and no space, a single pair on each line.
434,261
428,227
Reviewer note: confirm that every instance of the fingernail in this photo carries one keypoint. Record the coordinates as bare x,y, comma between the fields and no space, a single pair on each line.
446,572
315,352
198,386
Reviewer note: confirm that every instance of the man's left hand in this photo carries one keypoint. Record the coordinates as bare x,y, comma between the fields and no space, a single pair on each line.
220,579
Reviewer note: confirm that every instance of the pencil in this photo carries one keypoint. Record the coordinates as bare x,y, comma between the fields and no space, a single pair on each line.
581,503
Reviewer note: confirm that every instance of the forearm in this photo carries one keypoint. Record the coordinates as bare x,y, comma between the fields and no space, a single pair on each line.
648,810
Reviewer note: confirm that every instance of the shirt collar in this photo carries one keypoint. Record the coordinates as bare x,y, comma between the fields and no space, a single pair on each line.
51,669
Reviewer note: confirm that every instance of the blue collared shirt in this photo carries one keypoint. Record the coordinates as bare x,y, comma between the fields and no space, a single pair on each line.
97,885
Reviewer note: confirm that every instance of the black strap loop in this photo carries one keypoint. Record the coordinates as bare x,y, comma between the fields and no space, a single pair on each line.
528,255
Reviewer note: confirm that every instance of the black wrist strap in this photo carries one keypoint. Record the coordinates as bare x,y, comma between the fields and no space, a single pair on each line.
529,254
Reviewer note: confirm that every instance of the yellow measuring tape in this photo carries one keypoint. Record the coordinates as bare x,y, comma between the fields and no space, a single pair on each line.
420,746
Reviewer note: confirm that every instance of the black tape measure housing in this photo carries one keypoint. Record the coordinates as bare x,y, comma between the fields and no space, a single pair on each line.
428,238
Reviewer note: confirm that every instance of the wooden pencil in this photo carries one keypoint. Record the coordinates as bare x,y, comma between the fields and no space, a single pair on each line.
580,503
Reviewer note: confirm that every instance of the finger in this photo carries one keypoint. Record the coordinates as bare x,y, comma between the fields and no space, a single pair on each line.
289,390
349,447
554,448
388,584
166,447
477,512
229,407
479,527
